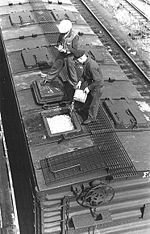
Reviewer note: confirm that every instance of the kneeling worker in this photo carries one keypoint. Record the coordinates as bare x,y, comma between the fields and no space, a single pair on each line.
67,43
93,79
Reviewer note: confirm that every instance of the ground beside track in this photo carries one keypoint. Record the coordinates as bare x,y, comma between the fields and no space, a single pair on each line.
111,14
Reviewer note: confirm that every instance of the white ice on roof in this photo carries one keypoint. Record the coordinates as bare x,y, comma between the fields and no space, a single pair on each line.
143,106
60,123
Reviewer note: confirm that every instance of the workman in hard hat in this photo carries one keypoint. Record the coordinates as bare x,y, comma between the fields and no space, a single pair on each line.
91,82
66,45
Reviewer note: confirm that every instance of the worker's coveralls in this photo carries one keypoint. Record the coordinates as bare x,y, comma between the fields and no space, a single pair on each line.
93,79
69,43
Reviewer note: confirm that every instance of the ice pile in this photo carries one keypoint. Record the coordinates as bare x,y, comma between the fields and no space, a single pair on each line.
60,123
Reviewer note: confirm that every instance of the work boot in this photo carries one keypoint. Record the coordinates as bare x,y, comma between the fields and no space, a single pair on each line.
88,121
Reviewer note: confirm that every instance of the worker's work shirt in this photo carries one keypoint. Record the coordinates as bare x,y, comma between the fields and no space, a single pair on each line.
92,74
69,42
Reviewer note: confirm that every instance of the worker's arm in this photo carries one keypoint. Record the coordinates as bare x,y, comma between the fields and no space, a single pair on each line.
60,38
78,86
74,44
97,78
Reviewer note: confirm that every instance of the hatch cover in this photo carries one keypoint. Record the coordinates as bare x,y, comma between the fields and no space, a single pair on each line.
21,18
62,14
100,54
111,73
119,89
59,14
125,114
49,115
97,54
71,164
36,57
48,93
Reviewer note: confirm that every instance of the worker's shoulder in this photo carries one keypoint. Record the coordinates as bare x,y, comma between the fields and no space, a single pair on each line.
75,35
92,62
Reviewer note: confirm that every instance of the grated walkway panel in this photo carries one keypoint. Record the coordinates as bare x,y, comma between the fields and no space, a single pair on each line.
44,16
72,164
102,122
114,155
117,160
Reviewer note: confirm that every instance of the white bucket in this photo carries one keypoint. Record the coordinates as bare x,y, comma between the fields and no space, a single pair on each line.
80,96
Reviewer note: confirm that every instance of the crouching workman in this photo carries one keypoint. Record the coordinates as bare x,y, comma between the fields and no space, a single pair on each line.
93,81
67,43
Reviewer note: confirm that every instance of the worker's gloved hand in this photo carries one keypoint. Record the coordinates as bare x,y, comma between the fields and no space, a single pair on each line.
78,86
60,48
86,90
43,82
44,77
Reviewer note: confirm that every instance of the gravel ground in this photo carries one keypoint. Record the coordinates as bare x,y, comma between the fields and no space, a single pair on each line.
135,33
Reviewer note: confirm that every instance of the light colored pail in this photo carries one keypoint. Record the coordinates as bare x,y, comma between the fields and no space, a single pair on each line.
80,96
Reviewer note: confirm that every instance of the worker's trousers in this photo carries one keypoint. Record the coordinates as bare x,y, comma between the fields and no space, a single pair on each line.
94,106
93,102
61,60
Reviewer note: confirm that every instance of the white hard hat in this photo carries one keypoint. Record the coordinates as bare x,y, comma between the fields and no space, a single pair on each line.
65,26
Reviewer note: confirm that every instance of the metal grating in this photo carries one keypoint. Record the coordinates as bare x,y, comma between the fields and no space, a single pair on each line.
49,28
72,164
102,122
117,161
52,38
44,16
114,155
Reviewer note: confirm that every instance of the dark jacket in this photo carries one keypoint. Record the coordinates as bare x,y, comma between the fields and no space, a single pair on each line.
69,42
92,74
